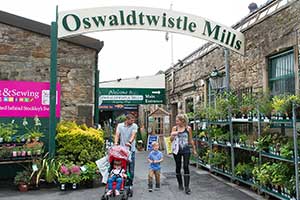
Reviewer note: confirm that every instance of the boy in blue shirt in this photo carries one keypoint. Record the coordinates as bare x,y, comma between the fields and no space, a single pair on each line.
155,157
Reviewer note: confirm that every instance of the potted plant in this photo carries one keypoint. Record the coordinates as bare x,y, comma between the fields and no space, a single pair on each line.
5,153
264,105
202,135
243,139
35,148
38,149
75,176
191,116
279,104
247,105
63,177
46,168
33,134
23,152
221,107
286,150
19,151
22,180
29,151
244,171
15,152
7,131
51,171
89,173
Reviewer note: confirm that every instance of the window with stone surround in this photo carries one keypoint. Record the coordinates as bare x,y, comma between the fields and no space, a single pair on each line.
281,73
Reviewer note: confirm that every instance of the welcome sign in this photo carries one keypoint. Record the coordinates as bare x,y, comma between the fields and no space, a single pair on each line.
132,96
82,21
26,99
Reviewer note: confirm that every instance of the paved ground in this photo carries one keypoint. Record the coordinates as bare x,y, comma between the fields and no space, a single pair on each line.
204,187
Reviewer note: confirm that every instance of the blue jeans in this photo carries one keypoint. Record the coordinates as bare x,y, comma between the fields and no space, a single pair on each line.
131,166
113,179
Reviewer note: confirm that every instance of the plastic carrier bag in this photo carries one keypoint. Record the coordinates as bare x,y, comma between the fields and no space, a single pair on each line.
103,166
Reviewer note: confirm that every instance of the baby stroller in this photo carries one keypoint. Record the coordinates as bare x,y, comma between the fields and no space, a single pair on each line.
119,153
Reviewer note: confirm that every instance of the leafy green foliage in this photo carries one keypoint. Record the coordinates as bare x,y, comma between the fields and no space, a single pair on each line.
23,177
7,131
248,103
218,134
287,149
218,159
244,170
51,170
263,143
121,118
79,144
276,174
34,132
243,138
190,115
91,172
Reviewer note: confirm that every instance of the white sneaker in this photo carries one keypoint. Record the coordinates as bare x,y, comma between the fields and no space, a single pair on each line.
117,193
109,192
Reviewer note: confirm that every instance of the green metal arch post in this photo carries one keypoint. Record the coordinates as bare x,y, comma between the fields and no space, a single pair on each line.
53,80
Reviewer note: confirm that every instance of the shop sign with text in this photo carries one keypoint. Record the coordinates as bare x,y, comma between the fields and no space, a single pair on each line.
26,99
132,96
76,22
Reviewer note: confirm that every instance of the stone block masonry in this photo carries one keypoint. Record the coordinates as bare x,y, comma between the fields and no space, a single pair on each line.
25,55
273,34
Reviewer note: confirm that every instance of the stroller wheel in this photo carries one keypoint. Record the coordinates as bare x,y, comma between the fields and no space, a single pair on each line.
130,193
124,197
103,197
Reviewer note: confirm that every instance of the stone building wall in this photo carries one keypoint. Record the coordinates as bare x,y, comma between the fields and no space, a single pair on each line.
274,34
25,55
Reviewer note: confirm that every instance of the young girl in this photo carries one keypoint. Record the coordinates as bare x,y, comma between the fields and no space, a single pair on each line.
116,175
182,135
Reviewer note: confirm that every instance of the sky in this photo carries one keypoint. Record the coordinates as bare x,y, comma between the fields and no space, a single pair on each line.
134,53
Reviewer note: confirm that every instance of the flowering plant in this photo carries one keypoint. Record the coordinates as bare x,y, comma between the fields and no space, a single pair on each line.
69,174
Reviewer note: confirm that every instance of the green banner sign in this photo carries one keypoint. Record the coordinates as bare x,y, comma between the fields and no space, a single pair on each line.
131,96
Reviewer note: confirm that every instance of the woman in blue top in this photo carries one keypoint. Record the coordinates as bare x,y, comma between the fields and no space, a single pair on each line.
182,135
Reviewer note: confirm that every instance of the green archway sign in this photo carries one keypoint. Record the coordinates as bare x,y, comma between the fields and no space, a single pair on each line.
82,21
76,22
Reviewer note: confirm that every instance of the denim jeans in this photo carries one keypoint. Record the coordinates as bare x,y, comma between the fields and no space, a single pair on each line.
112,179
131,167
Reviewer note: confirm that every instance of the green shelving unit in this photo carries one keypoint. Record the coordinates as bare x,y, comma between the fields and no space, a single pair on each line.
233,147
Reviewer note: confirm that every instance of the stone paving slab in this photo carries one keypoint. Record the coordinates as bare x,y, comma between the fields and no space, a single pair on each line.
204,187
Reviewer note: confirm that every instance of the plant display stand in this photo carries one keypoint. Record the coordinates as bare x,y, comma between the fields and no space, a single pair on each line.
220,155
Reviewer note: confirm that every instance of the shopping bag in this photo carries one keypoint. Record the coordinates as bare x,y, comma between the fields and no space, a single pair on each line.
103,166
175,145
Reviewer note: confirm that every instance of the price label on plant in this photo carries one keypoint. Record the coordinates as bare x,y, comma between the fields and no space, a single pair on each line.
83,168
34,167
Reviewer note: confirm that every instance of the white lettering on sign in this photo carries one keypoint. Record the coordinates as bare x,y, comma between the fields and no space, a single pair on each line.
122,97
